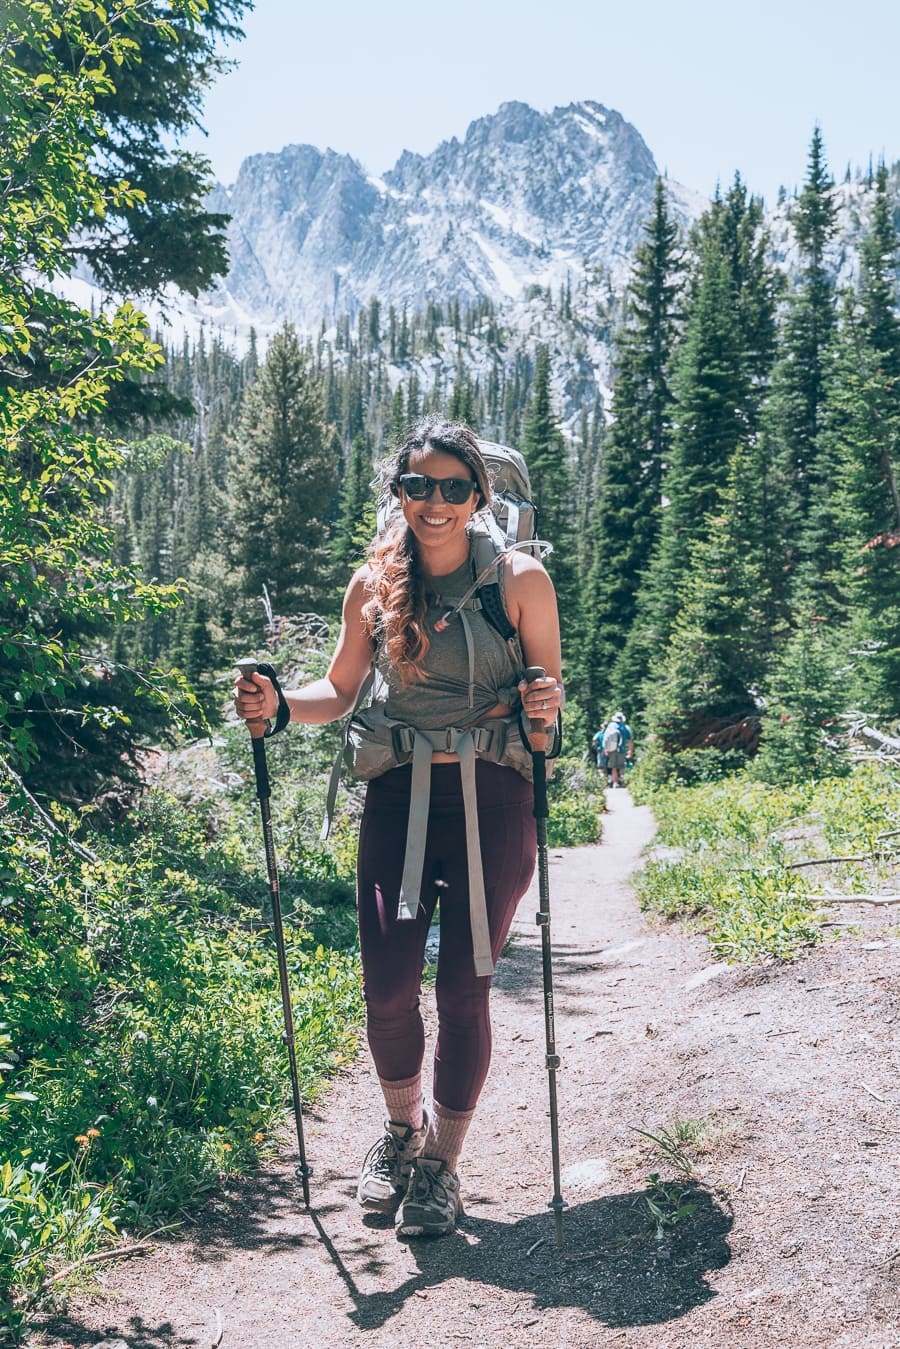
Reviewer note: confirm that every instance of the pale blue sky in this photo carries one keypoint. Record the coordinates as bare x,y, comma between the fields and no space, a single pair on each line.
712,86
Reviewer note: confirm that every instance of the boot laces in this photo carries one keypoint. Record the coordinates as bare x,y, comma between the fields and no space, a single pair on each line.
429,1184
384,1157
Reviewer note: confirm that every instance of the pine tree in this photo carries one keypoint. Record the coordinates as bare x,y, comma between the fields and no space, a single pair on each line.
795,410
625,517
197,655
863,430
463,400
718,372
357,518
552,488
70,717
806,695
165,234
715,659
399,418
282,483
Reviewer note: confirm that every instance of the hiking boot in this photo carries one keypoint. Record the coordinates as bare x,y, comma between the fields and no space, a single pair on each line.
386,1170
431,1204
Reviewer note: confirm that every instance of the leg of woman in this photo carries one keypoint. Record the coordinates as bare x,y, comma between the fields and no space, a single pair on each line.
392,953
392,949
463,1051
432,1201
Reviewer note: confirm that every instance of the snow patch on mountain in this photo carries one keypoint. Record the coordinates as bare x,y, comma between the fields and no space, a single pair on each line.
525,206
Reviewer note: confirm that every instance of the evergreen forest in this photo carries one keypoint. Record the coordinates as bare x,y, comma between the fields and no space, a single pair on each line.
726,531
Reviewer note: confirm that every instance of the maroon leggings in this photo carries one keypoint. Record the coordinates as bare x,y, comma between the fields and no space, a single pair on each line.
393,950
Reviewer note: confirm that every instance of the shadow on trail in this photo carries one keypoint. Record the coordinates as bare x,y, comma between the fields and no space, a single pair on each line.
139,1334
612,1265
520,972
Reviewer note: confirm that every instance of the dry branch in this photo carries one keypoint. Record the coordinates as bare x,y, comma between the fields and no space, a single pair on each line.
116,1253
860,899
877,856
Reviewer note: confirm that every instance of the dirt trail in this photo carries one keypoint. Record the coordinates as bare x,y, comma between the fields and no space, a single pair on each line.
796,1233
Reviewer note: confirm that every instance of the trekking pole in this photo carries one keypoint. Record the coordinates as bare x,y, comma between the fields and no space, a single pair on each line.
538,735
257,731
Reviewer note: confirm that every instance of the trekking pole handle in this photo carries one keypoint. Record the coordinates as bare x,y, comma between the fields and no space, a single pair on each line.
247,668
538,744
257,731
531,673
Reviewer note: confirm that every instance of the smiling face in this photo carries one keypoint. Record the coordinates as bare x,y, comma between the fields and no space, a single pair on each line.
438,527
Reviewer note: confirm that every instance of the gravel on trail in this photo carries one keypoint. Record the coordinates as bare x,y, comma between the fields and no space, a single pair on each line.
778,1084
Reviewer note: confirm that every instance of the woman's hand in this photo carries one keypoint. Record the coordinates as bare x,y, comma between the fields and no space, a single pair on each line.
255,698
541,699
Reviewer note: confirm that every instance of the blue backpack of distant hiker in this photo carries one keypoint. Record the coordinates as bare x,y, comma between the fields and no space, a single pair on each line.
612,738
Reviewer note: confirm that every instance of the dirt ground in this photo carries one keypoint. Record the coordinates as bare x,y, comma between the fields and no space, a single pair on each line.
795,1237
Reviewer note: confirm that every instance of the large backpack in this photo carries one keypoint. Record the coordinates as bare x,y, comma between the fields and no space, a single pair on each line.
612,738
511,523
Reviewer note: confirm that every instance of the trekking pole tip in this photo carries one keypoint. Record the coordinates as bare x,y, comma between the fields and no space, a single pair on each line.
557,1203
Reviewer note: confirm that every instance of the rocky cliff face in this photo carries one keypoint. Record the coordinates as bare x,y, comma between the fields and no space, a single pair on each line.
526,199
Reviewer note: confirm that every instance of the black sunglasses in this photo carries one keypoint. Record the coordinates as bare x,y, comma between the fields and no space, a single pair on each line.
419,487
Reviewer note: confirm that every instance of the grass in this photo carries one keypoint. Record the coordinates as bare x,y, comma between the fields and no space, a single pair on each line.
732,844
141,1053
671,1202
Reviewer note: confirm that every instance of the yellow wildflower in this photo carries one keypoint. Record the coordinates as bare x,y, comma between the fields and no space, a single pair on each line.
93,1133
226,1147
258,1136
82,1140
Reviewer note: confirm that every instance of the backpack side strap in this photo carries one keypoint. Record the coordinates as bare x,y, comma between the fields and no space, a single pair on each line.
334,780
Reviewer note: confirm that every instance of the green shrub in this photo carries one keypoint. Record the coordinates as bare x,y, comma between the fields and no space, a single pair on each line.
745,912
739,838
576,801
855,812
143,1055
573,822
45,1216
763,912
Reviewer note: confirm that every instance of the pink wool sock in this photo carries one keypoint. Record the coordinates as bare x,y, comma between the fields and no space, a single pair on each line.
446,1131
403,1100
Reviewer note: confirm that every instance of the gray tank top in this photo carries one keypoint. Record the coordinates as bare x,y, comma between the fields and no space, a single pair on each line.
469,668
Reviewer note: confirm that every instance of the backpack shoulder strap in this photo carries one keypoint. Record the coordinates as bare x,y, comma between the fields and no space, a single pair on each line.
490,548
488,551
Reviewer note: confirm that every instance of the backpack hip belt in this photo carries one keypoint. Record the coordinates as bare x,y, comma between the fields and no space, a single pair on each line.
461,743
376,743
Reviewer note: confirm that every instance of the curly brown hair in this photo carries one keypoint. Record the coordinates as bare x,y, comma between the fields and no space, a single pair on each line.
397,605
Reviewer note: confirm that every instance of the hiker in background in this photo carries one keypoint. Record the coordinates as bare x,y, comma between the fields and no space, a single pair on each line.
435,673
599,754
618,747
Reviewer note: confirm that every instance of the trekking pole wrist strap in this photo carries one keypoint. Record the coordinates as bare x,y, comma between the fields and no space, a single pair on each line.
283,715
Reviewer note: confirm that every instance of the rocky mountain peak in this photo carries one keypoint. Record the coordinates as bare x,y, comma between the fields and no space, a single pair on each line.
525,198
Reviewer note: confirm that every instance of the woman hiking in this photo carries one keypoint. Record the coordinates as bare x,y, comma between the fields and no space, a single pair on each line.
463,805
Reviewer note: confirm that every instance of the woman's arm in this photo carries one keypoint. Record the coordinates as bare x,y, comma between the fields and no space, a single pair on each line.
531,604
326,699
